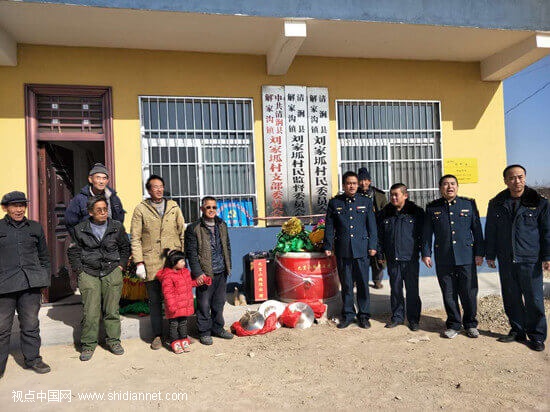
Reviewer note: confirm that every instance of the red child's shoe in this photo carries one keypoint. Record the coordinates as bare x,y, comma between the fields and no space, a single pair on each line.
177,347
185,345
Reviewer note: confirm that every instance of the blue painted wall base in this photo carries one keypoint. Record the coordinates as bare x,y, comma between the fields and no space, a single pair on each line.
246,240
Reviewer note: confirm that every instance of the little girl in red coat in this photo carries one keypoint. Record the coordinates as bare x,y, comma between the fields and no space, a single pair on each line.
178,298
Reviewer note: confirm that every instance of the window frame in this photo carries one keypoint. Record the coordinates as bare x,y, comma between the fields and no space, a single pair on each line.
389,159
245,137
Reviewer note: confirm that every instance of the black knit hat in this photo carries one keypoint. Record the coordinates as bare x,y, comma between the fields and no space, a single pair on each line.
14,197
99,168
363,174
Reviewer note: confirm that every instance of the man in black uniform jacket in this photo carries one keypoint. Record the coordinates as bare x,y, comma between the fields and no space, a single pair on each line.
350,227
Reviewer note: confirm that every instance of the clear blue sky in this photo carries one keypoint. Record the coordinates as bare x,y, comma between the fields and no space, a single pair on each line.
528,120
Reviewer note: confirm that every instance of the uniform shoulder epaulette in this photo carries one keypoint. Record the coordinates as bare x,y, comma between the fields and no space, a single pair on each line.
470,199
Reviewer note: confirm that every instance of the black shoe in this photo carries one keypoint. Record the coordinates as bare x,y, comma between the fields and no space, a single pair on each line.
223,334
414,326
39,367
537,345
512,337
206,340
393,324
344,324
364,323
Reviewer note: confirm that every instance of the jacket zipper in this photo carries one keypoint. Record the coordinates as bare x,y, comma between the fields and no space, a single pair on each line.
513,236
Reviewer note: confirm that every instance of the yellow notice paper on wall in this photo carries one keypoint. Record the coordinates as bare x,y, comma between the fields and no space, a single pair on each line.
464,168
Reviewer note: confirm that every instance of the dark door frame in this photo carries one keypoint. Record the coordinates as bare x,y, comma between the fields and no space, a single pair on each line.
33,136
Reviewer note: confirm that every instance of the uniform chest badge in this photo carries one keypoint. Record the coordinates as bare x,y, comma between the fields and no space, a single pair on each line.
437,213
361,207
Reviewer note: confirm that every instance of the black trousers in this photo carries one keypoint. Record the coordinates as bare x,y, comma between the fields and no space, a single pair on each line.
354,271
154,292
210,302
376,269
523,298
178,328
459,281
27,304
407,273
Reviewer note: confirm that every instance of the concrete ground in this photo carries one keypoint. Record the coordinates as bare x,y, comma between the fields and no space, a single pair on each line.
60,321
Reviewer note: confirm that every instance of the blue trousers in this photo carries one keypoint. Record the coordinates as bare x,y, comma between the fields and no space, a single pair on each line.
523,298
354,271
27,304
407,273
459,281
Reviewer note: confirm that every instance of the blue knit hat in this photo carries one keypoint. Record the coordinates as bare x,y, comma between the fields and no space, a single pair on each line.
363,174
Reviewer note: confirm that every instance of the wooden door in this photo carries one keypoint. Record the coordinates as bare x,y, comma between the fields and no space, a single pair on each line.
55,195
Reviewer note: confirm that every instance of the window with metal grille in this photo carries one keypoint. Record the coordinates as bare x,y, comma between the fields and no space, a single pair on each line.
57,114
202,147
396,140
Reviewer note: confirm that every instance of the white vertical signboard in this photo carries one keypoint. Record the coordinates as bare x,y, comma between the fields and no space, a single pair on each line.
319,150
275,150
297,151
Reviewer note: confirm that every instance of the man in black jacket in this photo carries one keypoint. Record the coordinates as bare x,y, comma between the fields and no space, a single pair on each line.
208,249
24,270
400,226
518,235
100,251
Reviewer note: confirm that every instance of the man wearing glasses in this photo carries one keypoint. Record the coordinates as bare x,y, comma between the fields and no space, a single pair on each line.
208,250
99,253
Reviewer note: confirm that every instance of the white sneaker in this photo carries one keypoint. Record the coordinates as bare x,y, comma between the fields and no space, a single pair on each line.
450,333
472,333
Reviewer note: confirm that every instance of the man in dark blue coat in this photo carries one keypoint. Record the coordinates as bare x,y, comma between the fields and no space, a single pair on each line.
350,229
24,270
518,235
98,179
400,226
459,247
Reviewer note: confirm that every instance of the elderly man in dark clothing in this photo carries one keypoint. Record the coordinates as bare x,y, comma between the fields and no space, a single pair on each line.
24,270
378,198
99,253
98,179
